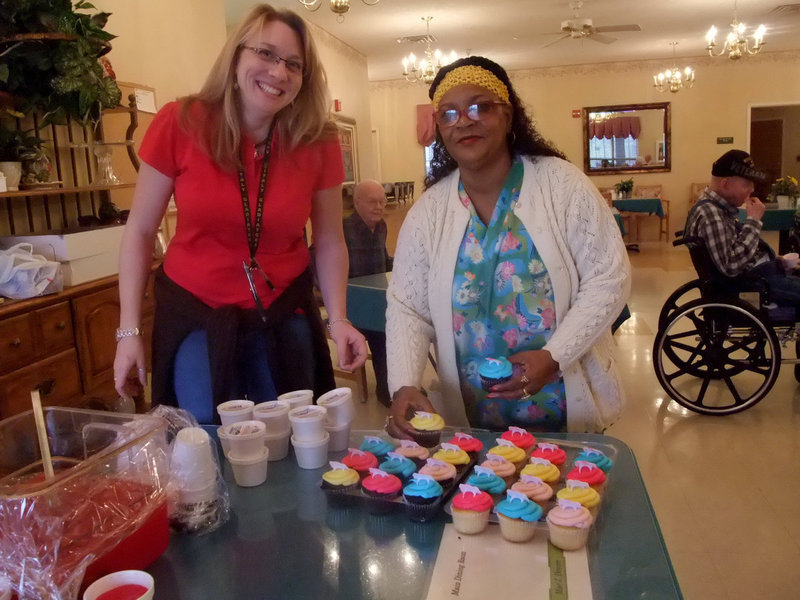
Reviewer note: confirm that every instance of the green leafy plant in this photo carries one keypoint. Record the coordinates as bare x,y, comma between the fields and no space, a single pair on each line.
786,186
18,145
50,64
625,186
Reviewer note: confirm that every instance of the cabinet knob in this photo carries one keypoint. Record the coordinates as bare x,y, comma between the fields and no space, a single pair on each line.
16,343
61,326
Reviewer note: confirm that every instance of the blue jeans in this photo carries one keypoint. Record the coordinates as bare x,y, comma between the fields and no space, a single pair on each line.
257,375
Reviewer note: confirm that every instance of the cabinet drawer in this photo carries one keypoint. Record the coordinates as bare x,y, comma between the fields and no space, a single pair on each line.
55,323
17,342
15,388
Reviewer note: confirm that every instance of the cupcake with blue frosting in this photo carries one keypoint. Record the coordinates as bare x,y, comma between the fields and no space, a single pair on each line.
495,370
422,496
518,516
486,480
595,456
376,445
398,465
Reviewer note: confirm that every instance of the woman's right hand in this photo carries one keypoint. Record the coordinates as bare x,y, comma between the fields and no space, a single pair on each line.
130,374
405,402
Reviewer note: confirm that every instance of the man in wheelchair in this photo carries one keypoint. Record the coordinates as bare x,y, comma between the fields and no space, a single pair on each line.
736,248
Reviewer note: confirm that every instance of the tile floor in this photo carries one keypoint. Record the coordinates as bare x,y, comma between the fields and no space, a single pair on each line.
725,489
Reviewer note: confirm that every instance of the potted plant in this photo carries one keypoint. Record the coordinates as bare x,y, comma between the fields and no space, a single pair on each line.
50,60
624,188
785,191
22,158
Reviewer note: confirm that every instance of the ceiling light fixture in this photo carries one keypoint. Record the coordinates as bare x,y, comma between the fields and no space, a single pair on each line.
674,79
736,44
339,7
427,68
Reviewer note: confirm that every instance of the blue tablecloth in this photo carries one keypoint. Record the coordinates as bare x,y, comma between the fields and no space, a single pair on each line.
774,219
620,224
651,206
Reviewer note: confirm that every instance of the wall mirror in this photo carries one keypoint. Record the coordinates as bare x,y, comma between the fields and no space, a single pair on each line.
627,138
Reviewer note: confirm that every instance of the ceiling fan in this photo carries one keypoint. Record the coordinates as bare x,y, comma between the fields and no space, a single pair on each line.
579,28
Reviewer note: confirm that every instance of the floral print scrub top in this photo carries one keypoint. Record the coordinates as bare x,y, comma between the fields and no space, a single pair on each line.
502,305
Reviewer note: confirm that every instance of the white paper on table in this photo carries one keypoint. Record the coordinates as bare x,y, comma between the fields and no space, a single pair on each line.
476,567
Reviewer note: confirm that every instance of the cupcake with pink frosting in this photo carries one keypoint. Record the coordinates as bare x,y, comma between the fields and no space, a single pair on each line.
382,485
442,472
470,509
411,449
520,438
534,488
553,453
501,467
590,473
360,460
469,444
569,523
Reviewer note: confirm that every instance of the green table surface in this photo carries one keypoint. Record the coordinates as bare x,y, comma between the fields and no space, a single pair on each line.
774,219
366,301
651,206
284,542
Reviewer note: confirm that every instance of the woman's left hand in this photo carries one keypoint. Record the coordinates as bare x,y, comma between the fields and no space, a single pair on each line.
351,346
533,370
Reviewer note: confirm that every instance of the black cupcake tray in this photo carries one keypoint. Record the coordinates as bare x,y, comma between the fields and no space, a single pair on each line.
572,450
379,506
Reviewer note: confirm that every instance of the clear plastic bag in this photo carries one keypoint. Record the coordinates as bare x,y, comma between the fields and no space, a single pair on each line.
24,274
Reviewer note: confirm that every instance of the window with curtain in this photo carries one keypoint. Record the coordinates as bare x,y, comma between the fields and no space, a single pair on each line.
613,152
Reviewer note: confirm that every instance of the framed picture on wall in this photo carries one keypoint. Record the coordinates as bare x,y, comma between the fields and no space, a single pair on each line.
347,138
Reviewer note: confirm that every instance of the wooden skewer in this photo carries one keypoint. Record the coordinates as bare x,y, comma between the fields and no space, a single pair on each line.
41,432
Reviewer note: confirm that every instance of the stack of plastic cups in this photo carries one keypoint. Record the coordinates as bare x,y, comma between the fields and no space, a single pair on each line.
309,438
298,398
193,475
232,411
247,452
275,416
341,412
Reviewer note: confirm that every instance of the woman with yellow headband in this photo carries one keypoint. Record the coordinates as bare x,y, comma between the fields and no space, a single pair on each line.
510,253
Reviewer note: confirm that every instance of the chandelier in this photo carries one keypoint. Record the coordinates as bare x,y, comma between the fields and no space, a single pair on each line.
674,79
736,44
426,69
339,7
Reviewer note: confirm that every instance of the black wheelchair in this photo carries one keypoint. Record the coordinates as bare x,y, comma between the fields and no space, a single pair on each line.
718,346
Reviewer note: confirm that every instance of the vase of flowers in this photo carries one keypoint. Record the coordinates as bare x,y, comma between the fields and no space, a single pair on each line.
785,191
624,188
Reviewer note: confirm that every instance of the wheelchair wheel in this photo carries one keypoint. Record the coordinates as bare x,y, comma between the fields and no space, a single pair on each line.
716,358
685,293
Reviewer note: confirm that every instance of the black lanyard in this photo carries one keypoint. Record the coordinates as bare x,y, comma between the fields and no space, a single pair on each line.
254,233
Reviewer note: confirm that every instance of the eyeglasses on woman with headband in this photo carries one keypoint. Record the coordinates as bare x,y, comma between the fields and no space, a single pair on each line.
449,116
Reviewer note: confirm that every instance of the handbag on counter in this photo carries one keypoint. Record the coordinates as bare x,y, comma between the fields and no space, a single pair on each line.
24,274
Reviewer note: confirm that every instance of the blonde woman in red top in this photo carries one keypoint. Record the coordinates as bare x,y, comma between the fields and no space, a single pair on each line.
249,159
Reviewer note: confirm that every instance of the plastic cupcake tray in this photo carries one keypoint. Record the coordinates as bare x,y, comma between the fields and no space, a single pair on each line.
572,449
378,506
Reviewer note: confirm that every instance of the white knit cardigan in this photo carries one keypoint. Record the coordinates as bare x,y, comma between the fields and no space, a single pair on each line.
580,244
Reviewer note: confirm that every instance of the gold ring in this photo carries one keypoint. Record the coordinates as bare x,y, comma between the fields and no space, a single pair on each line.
524,379
525,394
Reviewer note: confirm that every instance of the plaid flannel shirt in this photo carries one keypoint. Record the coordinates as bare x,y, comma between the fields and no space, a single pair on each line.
734,246
366,248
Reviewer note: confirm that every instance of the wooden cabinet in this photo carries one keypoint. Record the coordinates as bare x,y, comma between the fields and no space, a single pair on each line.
67,338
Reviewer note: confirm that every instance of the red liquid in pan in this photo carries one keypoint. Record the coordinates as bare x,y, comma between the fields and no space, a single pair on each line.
130,591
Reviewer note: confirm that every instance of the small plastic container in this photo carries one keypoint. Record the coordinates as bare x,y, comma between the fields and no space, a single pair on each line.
339,437
311,455
223,441
234,411
339,404
119,579
278,444
193,470
250,471
298,398
308,423
275,415
245,438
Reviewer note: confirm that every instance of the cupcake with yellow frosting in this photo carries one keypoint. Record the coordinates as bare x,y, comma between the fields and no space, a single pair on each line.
427,428
452,454
544,470
501,467
513,454
569,524
339,480
581,492
534,488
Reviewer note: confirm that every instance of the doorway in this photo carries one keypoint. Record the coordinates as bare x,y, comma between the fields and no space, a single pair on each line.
775,142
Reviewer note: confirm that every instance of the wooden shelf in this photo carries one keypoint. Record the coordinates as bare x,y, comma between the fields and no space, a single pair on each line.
66,190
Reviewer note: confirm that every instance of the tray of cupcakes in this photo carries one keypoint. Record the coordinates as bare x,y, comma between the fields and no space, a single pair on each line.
538,484
407,476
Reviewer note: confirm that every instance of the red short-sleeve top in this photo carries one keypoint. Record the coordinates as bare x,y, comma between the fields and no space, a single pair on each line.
210,242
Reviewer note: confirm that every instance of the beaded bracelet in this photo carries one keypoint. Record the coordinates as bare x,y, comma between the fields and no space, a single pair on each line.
334,321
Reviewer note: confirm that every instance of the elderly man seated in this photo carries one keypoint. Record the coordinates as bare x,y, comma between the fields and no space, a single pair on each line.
735,247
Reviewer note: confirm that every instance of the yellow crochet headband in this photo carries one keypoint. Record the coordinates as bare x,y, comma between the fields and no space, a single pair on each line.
466,75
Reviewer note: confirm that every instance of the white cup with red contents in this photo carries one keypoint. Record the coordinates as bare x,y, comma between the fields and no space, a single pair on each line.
122,584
